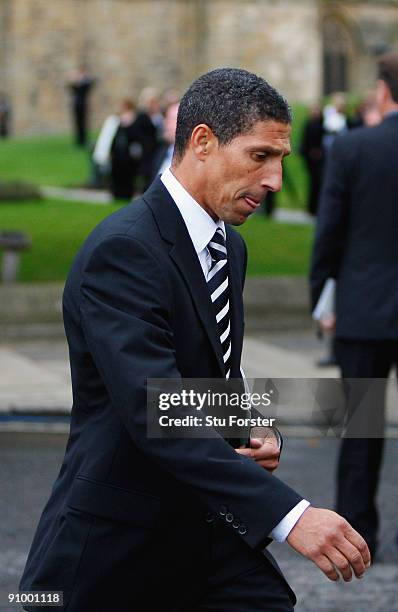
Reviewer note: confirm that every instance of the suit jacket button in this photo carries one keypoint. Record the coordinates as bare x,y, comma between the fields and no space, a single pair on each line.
229,517
236,524
242,530
209,517
223,510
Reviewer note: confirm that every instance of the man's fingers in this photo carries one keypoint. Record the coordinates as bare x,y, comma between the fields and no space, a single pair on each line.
269,465
328,324
327,567
357,541
266,451
353,556
354,548
342,564
248,452
320,534
256,442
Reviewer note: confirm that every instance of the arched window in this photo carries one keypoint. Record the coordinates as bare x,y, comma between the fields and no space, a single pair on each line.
337,48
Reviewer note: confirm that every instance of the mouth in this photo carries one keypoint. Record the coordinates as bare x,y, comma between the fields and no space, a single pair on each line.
252,202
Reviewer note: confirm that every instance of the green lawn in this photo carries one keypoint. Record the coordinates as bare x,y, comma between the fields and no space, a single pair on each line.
276,248
55,160
44,160
59,228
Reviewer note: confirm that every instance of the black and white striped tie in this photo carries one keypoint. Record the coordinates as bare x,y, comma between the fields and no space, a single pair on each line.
217,282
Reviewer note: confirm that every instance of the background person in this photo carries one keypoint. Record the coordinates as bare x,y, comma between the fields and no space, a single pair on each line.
356,243
150,122
129,151
80,85
5,116
312,150
164,153
367,113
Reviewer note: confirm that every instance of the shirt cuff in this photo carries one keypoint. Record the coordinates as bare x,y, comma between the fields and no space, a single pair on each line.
282,530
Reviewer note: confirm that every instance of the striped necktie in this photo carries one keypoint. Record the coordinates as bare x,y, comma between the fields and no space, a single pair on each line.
217,282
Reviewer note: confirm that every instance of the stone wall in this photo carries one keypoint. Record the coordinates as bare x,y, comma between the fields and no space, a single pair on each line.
128,44
372,27
278,39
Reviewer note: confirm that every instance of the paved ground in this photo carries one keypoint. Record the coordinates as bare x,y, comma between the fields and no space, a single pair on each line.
36,376
30,462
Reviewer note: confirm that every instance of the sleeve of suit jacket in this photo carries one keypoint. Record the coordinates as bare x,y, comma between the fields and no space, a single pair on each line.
332,217
130,337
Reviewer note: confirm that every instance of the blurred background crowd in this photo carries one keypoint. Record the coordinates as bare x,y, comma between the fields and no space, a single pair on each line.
135,141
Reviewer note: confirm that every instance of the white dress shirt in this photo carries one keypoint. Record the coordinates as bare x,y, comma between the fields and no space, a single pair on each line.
200,225
166,163
201,228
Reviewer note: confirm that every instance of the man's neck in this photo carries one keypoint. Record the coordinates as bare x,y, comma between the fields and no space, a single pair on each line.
389,108
186,178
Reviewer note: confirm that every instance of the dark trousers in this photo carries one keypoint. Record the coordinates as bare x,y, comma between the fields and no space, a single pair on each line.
315,170
123,178
80,121
361,457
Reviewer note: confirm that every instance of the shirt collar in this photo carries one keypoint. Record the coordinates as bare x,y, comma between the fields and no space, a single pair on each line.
200,225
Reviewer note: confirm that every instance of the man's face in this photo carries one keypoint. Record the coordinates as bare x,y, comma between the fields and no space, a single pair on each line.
239,175
170,124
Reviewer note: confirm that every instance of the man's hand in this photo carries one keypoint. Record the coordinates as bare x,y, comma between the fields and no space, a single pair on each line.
331,543
328,324
264,452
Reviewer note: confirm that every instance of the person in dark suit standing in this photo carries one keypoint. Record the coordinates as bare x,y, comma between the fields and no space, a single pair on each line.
312,150
130,146
356,243
80,85
5,114
176,524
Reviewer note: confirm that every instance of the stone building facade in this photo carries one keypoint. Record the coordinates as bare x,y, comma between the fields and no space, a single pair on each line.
303,47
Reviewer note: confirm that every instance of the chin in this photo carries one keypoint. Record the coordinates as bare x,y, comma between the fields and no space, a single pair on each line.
238,220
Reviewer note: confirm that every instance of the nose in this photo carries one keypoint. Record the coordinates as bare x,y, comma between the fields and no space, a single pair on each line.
272,178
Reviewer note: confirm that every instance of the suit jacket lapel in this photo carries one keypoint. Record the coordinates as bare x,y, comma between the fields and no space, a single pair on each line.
173,229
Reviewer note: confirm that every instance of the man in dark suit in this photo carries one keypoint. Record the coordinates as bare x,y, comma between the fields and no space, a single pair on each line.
80,85
312,151
133,521
356,243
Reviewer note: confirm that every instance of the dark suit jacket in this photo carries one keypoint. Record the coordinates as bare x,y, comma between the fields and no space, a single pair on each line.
125,507
356,237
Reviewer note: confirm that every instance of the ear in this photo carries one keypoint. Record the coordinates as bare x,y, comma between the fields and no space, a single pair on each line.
383,93
203,141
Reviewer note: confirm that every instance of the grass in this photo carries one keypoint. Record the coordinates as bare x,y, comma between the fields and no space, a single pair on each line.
59,228
55,160
276,248
44,160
